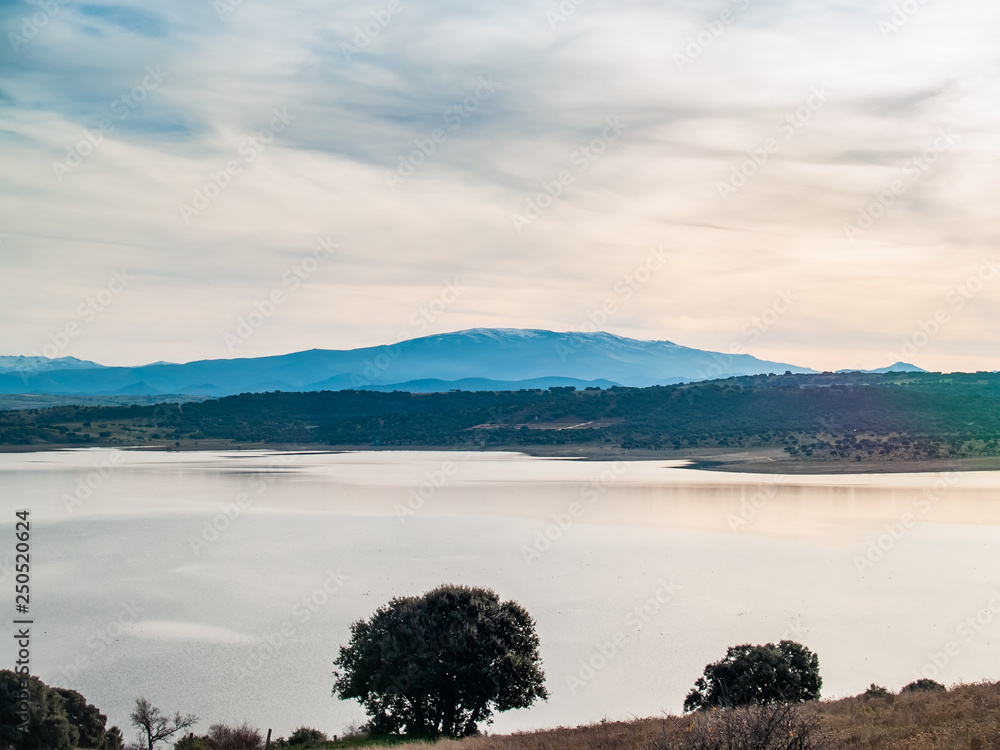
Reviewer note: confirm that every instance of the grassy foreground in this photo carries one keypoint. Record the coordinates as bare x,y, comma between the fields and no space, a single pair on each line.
966,717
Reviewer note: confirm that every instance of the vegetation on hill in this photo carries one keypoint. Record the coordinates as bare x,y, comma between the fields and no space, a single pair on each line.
966,717
849,416
928,717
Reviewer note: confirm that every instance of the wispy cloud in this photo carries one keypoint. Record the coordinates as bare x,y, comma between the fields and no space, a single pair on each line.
558,81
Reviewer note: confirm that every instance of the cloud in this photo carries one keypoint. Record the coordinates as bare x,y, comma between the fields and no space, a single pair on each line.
411,101
162,630
131,19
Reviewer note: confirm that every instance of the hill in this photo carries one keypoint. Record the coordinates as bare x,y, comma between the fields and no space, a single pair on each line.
897,367
825,417
966,717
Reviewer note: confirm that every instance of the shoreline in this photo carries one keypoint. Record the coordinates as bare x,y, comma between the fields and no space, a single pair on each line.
752,461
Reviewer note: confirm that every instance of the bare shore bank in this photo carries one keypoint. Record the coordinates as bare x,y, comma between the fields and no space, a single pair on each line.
751,461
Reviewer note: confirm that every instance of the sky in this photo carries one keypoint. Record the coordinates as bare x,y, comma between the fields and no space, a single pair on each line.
808,182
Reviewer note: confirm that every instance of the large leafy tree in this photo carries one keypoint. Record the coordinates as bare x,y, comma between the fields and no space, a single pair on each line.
441,663
58,718
755,675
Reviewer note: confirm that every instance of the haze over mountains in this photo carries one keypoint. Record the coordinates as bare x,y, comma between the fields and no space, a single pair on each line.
475,359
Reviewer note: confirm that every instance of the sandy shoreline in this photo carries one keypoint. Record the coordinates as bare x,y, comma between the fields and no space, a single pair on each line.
754,461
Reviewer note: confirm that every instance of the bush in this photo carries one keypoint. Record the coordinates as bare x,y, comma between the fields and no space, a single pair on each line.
113,740
191,742
875,691
775,726
304,735
755,675
923,686
243,737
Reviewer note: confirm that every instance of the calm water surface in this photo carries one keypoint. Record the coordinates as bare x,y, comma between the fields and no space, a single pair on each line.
222,583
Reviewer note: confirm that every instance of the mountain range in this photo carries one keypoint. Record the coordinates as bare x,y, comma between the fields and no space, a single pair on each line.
479,359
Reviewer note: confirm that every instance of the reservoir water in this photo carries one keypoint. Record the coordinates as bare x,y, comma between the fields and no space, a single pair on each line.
223,583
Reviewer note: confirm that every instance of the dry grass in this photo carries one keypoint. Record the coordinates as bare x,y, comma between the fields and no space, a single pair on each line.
967,717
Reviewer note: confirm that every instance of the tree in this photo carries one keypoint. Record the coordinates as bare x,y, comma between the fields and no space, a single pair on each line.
57,719
923,685
441,663
114,740
757,675
89,722
156,725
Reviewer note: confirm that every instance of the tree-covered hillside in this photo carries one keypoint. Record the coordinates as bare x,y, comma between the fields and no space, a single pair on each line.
850,416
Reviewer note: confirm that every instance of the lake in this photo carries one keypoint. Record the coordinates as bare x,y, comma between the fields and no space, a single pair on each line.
223,583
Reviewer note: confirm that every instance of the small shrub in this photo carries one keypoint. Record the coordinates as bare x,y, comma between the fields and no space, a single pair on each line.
242,737
875,691
192,742
923,686
773,726
113,740
304,735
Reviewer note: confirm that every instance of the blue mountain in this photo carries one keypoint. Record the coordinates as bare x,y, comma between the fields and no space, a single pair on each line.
491,358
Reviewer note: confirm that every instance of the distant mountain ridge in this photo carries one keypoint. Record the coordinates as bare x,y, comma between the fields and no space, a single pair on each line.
43,364
898,367
474,359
